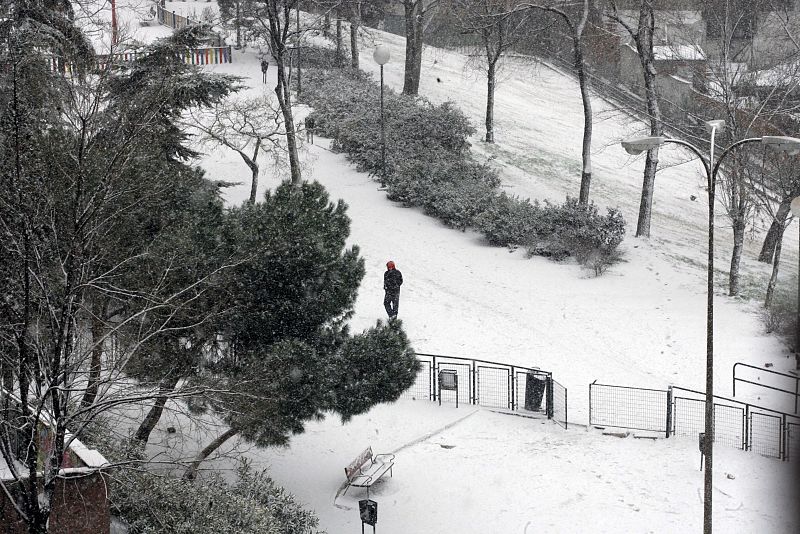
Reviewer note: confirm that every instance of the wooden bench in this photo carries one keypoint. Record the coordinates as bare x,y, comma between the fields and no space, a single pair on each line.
367,469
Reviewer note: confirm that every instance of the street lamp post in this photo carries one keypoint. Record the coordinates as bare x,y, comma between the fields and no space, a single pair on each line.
381,57
643,144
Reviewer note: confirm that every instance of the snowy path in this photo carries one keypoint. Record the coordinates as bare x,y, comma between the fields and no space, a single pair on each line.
641,324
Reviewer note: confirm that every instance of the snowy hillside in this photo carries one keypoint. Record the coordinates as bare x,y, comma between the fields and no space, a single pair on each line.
640,324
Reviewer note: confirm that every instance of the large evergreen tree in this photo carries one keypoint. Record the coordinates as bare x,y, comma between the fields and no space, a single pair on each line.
290,357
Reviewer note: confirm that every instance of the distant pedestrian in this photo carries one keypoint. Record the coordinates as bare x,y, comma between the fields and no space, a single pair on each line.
310,124
392,280
264,68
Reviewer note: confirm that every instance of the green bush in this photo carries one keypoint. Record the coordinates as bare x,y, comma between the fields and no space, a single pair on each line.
574,229
153,504
508,221
428,165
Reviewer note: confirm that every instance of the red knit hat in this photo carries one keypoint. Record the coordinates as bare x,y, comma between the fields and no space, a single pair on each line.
390,264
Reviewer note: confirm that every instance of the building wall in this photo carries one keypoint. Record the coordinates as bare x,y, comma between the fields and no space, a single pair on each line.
80,506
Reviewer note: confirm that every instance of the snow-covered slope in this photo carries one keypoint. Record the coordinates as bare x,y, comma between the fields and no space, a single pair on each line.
640,324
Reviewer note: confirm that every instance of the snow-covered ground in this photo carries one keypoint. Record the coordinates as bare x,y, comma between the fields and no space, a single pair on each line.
640,324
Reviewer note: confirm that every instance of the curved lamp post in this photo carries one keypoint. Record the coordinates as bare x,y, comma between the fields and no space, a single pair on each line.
381,56
638,145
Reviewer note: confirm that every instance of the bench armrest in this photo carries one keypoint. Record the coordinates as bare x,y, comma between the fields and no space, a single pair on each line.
384,458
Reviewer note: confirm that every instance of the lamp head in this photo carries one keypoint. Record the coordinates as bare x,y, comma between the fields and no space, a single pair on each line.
381,55
717,124
790,145
637,145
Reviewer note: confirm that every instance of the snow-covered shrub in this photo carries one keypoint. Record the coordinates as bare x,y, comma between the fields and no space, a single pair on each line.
428,165
346,109
575,229
254,504
453,190
509,221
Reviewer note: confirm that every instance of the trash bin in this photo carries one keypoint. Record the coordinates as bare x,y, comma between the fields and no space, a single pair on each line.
534,391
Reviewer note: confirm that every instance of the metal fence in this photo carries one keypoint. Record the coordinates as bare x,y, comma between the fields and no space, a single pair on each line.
490,384
681,411
788,385
558,400
740,424
629,407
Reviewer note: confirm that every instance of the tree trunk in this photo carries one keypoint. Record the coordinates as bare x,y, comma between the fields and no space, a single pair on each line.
238,23
773,279
490,85
154,415
413,62
282,91
253,165
739,227
646,202
775,232
644,46
326,24
738,215
98,331
355,24
191,471
338,59
586,149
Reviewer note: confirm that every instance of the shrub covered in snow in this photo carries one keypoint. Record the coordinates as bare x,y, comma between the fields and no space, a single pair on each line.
428,165
152,504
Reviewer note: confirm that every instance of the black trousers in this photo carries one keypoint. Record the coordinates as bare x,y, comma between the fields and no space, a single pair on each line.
391,301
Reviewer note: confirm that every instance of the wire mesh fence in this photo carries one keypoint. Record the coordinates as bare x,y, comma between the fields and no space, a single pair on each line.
490,384
559,403
689,420
793,441
493,388
628,407
681,411
766,432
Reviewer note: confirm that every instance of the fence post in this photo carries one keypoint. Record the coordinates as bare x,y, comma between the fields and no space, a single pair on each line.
590,404
747,443
435,372
174,21
549,396
473,382
512,383
784,442
669,409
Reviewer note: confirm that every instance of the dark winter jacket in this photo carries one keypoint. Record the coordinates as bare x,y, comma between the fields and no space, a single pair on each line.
392,280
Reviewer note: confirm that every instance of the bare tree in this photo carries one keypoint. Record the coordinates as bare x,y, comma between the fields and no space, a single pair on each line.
415,12
577,25
247,126
88,161
274,21
642,36
498,27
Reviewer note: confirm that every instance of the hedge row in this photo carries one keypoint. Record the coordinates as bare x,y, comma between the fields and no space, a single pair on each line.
428,165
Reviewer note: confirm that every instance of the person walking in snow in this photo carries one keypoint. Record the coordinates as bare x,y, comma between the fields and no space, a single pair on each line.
392,280
310,123
264,68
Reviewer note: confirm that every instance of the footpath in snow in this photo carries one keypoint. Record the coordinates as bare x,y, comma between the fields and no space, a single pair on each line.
641,324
